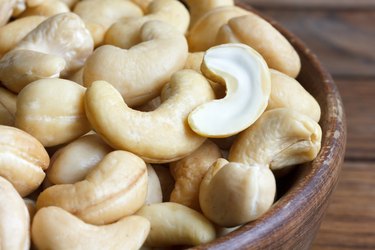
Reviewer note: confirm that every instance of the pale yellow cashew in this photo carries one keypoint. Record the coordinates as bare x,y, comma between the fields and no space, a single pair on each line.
55,228
47,8
248,86
8,106
14,219
73,162
6,10
287,92
115,188
52,110
22,159
125,33
140,72
99,15
264,38
232,194
154,192
279,138
158,136
174,224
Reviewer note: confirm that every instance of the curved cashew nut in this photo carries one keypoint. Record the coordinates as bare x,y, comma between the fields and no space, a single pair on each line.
232,194
52,110
46,8
99,15
8,106
264,38
279,138
115,188
22,159
125,33
55,228
248,84
287,92
189,171
154,192
202,35
6,10
158,136
73,162
174,224
14,219
140,72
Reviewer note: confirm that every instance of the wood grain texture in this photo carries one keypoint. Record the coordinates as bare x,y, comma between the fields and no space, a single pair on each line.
307,4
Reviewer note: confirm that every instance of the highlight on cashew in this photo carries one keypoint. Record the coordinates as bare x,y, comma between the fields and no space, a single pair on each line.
256,32
232,193
248,85
52,110
154,192
279,138
22,159
8,106
46,8
73,162
140,72
55,228
189,172
287,92
174,224
14,219
158,136
115,188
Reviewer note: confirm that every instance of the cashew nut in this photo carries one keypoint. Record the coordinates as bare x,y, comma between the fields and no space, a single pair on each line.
166,180
115,188
6,10
46,8
154,192
232,194
189,171
264,38
8,103
158,136
248,84
22,159
287,92
140,72
52,110
73,162
55,228
99,15
31,208
14,219
174,224
279,138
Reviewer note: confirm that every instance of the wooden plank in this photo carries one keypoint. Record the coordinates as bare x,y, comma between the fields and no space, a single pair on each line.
350,219
336,4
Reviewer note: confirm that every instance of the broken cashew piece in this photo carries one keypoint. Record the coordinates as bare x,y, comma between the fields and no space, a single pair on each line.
55,228
232,194
279,138
158,136
115,188
248,84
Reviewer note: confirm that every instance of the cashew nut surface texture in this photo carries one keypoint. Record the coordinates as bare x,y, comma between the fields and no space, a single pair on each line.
154,192
52,110
22,159
248,83
14,219
73,162
174,224
55,228
115,188
232,194
287,92
46,8
8,104
279,138
140,72
143,4
264,38
6,10
189,172
159,136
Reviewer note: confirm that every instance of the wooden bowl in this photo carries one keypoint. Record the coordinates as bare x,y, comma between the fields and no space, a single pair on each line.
294,219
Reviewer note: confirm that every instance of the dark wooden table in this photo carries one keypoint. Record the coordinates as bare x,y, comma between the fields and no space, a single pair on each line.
342,34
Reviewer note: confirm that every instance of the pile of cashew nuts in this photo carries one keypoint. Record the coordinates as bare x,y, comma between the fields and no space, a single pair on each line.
129,124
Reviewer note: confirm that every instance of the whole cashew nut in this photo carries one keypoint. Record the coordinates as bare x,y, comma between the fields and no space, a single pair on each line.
140,72
248,83
279,138
174,224
8,106
14,219
115,188
158,136
22,159
232,194
55,228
